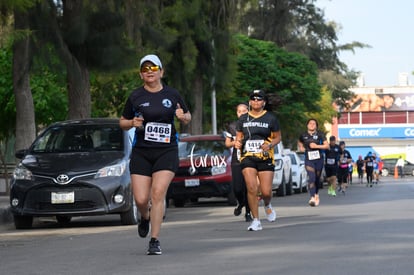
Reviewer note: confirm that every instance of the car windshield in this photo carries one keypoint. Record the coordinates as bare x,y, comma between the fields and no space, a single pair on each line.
77,138
202,148
292,159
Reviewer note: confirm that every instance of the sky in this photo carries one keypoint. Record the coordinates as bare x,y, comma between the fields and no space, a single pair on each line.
387,26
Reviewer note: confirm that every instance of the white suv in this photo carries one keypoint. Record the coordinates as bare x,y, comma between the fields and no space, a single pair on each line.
299,175
282,178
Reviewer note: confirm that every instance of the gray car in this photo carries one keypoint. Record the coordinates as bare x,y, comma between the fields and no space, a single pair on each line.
74,168
389,167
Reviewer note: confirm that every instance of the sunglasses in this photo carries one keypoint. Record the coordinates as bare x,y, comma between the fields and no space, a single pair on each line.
256,98
148,69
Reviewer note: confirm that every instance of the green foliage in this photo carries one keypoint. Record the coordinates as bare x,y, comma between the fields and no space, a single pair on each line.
49,97
327,111
16,4
290,81
300,26
196,41
110,91
7,106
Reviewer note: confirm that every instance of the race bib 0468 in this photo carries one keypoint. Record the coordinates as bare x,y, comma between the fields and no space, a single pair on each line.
158,132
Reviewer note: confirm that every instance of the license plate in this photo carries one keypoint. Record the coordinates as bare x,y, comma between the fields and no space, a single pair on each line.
62,197
192,182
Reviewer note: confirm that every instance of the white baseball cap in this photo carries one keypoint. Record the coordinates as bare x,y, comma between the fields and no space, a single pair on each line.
151,58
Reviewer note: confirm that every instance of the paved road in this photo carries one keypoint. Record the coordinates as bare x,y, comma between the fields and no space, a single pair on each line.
367,231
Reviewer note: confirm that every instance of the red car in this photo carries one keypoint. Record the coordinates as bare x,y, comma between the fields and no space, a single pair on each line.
204,171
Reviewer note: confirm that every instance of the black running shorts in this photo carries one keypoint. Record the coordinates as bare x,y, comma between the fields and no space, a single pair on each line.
146,161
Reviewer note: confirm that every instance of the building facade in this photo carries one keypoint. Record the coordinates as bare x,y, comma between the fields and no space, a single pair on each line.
380,120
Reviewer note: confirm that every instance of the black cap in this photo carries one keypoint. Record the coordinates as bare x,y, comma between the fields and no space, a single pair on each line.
342,143
258,93
332,138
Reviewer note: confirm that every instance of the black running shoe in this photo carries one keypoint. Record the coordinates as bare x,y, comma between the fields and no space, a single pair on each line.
237,210
143,227
154,247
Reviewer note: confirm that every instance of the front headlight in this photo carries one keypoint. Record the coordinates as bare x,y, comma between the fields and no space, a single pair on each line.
217,170
278,164
22,173
112,171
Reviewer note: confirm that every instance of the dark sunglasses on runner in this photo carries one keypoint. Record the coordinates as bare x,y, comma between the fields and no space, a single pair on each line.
258,98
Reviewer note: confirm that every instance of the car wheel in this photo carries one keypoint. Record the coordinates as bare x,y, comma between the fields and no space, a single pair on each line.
179,202
281,190
385,172
299,189
289,186
132,215
23,222
305,188
63,220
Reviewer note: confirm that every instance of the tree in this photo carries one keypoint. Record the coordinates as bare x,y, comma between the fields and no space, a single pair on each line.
87,35
299,26
290,80
25,122
193,39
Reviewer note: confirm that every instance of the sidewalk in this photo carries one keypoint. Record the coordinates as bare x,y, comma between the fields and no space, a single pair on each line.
5,214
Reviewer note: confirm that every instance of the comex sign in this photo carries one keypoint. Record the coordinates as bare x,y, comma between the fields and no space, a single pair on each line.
381,132
409,132
364,133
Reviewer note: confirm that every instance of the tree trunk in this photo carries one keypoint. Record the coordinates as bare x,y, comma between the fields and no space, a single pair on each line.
78,90
197,113
25,116
79,97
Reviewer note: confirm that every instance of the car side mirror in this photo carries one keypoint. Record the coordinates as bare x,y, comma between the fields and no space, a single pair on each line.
20,153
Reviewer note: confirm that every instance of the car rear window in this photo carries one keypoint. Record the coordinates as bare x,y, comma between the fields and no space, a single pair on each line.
75,138
202,148
292,159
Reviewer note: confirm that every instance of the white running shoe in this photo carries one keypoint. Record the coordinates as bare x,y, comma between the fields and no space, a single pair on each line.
270,213
255,225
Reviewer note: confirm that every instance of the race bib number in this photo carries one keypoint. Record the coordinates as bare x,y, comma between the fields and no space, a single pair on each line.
369,164
330,161
158,132
312,155
254,146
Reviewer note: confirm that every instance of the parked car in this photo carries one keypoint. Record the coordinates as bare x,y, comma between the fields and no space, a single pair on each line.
74,168
204,170
282,178
389,166
299,175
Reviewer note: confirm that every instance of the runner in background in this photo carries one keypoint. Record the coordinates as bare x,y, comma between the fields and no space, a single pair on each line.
239,185
331,165
376,169
350,171
360,169
343,171
313,142
369,168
